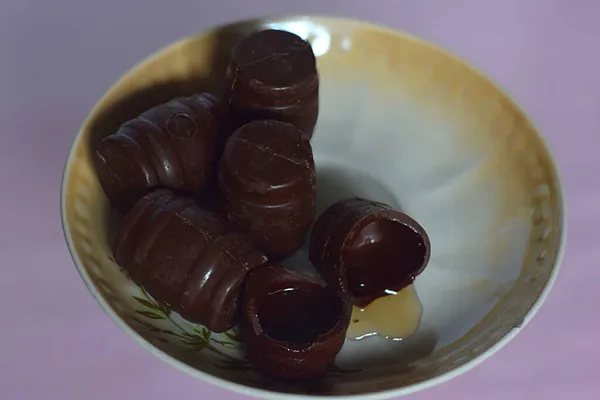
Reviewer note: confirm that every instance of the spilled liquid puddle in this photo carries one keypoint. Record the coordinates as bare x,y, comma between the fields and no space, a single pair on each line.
392,317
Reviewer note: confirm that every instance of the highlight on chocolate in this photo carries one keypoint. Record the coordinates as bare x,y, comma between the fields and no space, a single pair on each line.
217,193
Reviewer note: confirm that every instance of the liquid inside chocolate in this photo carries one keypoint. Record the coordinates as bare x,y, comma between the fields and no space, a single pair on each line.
383,258
298,316
393,317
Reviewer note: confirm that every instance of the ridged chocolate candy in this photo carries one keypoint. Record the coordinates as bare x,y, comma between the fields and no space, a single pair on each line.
292,326
273,75
267,183
368,249
187,257
171,145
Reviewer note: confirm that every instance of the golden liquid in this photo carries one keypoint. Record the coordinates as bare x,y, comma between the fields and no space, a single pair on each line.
393,317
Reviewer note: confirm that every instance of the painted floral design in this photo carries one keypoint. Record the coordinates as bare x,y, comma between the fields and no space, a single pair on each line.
197,338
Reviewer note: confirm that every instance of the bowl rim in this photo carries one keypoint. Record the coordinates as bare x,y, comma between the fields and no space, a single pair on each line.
266,393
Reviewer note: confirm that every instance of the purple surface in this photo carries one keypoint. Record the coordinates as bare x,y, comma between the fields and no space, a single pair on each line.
58,57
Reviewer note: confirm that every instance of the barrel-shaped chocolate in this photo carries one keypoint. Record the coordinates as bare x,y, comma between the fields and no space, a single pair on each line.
170,146
212,292
292,326
368,249
267,185
272,74
186,257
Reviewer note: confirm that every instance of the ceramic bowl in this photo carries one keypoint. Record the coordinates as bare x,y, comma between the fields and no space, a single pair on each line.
401,121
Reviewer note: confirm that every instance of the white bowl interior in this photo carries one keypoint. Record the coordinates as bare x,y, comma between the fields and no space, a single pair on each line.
400,122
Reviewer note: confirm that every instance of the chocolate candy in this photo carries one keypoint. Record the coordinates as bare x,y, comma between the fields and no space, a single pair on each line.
187,257
292,327
272,74
267,183
170,146
368,249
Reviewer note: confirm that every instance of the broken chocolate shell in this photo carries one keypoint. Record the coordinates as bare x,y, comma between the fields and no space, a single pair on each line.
267,184
272,74
368,249
292,326
170,146
186,257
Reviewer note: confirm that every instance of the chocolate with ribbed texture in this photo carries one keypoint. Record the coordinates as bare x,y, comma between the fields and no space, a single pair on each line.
186,257
272,74
170,146
267,184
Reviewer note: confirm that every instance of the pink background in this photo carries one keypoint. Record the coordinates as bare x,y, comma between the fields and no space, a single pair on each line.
58,57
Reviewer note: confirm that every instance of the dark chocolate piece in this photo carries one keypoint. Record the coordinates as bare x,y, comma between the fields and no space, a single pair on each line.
214,302
292,326
272,74
368,249
186,257
170,146
267,183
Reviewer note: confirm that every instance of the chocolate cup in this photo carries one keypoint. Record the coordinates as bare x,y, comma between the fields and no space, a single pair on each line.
368,249
267,184
171,145
272,74
292,326
186,257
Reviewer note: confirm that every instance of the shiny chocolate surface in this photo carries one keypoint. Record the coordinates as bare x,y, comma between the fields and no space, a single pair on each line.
368,249
292,326
186,257
272,74
171,146
267,184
